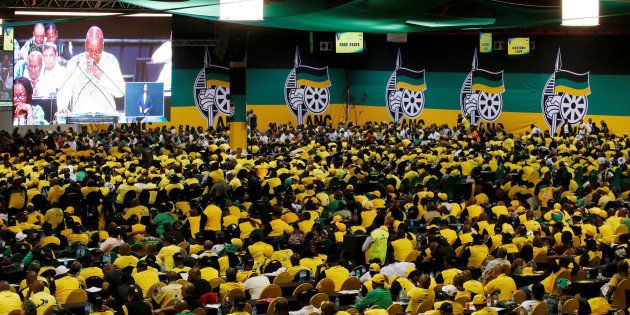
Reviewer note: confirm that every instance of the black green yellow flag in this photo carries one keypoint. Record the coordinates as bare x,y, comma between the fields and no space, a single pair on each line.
313,77
410,80
572,83
486,81
217,76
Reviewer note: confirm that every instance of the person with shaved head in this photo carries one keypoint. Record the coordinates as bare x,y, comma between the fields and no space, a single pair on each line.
93,79
34,66
35,42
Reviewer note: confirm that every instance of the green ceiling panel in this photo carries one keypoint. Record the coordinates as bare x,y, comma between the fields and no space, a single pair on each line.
385,16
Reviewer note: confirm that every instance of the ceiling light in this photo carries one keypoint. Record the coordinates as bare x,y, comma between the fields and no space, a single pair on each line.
580,12
241,10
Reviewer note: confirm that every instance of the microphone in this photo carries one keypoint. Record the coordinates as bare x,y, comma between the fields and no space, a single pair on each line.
95,64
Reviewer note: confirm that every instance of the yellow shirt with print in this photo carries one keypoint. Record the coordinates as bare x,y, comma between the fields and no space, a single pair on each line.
42,301
145,279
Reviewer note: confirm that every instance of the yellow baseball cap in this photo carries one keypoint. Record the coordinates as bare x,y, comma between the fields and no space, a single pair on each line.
378,278
375,267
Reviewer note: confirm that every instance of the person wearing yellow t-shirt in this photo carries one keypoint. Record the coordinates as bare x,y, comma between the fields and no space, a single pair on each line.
98,308
449,272
247,225
259,250
279,228
338,274
166,253
77,236
10,300
91,272
481,306
421,293
295,267
40,297
501,283
231,283
311,261
125,259
211,218
306,224
64,284
449,234
145,277
402,245
136,209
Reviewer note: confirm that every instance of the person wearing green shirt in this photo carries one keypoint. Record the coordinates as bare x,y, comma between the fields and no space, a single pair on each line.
380,296
162,218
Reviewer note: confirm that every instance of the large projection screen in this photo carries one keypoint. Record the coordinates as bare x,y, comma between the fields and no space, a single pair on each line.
87,70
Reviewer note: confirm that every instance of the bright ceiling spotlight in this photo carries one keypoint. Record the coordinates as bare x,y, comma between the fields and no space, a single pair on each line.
241,10
580,12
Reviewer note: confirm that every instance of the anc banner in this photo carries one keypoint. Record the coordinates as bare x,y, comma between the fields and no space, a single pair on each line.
572,83
217,76
486,81
410,80
313,77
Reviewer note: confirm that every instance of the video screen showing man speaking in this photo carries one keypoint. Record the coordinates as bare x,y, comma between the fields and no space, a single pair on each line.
79,71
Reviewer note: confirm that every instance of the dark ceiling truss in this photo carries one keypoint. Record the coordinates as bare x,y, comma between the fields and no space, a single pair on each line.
93,5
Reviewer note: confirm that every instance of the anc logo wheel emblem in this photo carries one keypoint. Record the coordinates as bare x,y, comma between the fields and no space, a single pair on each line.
306,89
565,97
404,93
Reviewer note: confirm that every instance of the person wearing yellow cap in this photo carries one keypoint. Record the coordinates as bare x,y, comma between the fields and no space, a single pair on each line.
380,296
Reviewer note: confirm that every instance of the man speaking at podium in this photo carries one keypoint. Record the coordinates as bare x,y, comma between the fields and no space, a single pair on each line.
92,81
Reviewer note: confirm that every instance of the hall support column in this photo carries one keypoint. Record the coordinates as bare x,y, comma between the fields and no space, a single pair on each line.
238,92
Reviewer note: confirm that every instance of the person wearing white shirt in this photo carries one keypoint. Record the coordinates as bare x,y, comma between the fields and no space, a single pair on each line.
255,285
93,79
398,268
53,73
535,130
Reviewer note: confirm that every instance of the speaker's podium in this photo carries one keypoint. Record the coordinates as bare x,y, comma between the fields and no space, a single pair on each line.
352,245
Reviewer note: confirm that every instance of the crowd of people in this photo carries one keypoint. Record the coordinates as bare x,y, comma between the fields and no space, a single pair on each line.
448,218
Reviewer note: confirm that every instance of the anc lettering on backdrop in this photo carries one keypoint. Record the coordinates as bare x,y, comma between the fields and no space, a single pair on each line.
404,94
212,90
306,89
565,97
481,94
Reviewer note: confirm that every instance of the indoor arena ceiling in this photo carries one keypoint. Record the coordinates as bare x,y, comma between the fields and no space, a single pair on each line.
379,16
